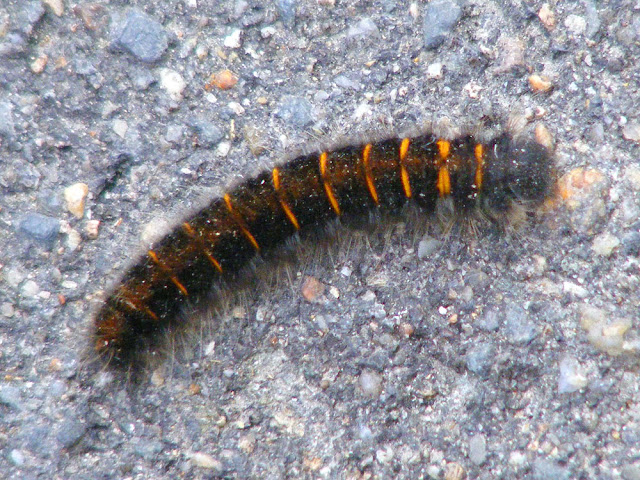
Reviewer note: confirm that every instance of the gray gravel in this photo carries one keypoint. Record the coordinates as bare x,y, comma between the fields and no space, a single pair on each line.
430,352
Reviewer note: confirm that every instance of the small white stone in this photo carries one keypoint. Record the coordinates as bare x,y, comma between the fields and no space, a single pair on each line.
604,244
234,39
575,289
236,108
370,383
223,149
572,376
173,83
434,70
30,289
204,460
575,24
120,127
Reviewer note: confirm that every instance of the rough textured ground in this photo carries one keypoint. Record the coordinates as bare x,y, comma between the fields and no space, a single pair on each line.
443,356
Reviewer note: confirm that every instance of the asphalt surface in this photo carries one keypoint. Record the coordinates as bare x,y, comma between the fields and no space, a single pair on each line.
403,350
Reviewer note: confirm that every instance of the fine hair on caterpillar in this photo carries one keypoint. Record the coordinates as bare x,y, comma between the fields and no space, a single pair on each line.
215,244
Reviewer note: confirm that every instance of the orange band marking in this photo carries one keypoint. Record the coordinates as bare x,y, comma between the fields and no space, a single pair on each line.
285,206
404,174
192,233
240,223
479,152
136,308
444,182
166,269
327,186
366,156
444,149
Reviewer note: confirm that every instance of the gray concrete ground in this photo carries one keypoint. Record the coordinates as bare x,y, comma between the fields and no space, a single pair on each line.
428,355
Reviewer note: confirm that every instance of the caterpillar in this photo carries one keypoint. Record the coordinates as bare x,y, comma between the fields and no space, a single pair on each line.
257,216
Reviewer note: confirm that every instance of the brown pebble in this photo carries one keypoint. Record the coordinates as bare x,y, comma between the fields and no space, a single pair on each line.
194,389
406,329
92,15
223,80
543,136
312,289
539,83
55,365
578,182
75,196
547,17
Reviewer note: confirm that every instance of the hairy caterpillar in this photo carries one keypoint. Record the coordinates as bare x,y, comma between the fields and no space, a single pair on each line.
264,211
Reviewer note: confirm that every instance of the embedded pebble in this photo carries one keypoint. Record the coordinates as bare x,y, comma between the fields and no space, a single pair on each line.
233,40
478,449
440,17
141,35
92,229
631,131
312,289
603,334
120,127
30,289
224,80
11,397
7,125
173,83
71,432
370,383
604,244
16,457
57,7
366,27
75,196
39,64
583,191
434,70
41,228
207,132
544,469
540,83
575,289
427,247
572,376
489,321
631,471
7,310
575,24
174,133
547,17
480,358
295,111
519,328
287,11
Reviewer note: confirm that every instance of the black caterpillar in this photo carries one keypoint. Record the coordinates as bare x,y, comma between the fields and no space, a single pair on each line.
263,212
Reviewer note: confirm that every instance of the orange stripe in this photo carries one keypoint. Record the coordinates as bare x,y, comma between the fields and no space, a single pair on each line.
240,223
404,174
479,152
366,156
444,148
126,301
285,207
166,269
444,182
327,187
192,233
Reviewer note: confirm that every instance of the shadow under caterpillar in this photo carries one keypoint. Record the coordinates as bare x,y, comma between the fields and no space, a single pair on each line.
261,213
